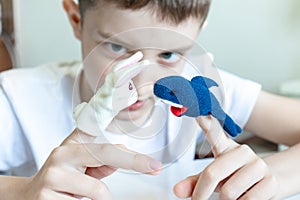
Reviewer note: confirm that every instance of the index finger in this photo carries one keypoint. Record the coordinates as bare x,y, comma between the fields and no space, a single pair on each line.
130,71
128,68
90,154
120,157
129,61
215,135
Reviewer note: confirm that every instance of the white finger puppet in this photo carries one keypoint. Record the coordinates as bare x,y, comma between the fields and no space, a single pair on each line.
117,93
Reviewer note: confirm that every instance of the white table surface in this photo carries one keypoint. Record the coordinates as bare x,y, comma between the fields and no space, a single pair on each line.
126,185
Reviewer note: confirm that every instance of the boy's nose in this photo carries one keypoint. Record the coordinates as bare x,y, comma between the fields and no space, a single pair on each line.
154,71
148,54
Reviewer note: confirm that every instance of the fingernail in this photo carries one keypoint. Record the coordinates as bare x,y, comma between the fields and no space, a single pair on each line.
155,165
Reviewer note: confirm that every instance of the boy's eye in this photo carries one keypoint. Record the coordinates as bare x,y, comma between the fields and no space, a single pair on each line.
170,57
116,48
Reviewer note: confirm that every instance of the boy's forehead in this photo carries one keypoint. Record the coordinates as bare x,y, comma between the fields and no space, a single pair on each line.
140,28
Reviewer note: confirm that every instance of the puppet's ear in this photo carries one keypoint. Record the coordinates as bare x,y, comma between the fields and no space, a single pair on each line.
200,80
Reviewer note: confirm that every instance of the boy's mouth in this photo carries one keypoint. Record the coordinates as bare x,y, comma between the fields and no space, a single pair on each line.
137,105
177,109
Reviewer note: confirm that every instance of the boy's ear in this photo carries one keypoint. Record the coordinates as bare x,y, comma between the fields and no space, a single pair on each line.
72,10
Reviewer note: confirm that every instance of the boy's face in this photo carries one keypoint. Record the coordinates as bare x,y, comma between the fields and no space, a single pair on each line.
109,34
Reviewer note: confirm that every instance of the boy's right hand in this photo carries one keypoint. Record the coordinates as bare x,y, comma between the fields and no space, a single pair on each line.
74,169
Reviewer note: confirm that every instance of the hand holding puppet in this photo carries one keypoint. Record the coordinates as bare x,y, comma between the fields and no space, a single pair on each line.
193,98
117,93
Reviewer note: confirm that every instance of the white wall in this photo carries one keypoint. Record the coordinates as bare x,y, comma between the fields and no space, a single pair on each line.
257,39
43,33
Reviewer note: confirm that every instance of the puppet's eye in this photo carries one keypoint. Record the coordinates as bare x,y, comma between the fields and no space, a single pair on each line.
172,92
130,87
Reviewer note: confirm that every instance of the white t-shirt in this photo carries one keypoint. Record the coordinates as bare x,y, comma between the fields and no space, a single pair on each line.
36,106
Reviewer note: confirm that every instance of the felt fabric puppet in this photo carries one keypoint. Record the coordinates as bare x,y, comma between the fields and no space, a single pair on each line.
117,93
193,99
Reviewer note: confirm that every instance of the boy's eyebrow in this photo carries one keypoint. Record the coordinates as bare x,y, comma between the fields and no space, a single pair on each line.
107,35
183,49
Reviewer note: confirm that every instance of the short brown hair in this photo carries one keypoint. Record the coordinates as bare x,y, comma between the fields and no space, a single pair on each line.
173,11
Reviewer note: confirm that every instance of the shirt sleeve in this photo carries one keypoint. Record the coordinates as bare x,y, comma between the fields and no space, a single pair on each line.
240,96
13,150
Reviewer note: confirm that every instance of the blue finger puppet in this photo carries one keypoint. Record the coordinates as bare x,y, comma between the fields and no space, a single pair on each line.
193,98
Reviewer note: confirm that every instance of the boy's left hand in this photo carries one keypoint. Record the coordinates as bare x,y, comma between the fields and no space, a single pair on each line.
117,92
236,173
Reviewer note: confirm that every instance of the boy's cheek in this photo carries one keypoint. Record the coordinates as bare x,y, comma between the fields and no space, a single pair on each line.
95,74
96,67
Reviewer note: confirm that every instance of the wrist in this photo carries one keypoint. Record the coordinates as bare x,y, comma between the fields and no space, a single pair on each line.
13,187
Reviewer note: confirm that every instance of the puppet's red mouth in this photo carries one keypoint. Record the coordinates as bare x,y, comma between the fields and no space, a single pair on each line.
175,108
178,111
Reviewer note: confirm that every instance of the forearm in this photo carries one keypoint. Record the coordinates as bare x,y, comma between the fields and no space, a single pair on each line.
275,118
285,166
12,187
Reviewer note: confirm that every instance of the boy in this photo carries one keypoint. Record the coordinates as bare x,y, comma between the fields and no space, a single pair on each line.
32,120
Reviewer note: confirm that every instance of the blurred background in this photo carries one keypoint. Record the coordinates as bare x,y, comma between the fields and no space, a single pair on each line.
259,40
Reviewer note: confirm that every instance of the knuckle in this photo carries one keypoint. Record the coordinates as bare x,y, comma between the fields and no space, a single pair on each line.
227,193
105,148
121,146
274,183
57,154
136,159
245,149
42,195
274,180
209,174
99,190
261,165
49,175
140,163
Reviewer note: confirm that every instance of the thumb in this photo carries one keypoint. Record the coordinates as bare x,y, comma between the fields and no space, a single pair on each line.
220,142
185,188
